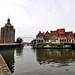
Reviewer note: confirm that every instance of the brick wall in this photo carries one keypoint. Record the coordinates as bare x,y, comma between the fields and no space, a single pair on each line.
7,34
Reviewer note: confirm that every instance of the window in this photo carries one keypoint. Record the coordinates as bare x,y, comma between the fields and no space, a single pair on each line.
39,37
53,34
39,33
72,41
39,41
61,32
68,36
69,40
47,40
47,34
60,35
53,38
8,29
8,37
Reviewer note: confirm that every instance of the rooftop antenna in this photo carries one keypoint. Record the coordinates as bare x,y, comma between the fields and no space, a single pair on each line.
8,20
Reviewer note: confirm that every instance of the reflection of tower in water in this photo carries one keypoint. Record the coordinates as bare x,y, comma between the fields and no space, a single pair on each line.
19,51
8,55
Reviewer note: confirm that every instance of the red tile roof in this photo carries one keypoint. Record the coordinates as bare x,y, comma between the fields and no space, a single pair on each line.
54,32
71,38
69,34
39,39
54,39
43,33
61,31
62,38
47,32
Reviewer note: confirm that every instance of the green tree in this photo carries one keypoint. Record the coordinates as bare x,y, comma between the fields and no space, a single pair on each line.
19,40
33,42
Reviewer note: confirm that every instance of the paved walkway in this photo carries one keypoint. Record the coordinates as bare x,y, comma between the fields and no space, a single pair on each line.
4,68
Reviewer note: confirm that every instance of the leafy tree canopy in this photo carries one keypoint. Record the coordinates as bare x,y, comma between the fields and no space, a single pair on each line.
19,40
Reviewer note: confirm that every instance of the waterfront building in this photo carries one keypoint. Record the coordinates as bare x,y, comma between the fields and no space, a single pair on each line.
54,37
74,38
61,32
74,35
70,37
58,36
7,34
47,38
61,35
40,38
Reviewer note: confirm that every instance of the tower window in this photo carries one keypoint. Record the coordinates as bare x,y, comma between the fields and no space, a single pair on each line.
60,35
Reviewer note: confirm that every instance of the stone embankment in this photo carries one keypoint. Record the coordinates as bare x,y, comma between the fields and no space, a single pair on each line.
4,68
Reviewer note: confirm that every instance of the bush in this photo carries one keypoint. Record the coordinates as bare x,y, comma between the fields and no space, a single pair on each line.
19,40
56,45
0,71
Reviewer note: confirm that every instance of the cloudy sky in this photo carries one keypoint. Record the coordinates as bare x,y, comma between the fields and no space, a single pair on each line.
30,16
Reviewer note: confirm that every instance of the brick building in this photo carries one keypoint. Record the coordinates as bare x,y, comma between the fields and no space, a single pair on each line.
54,37
58,36
47,36
61,35
7,34
70,37
40,38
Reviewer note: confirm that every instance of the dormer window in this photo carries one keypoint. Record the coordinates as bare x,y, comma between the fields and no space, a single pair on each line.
68,36
53,34
60,35
39,33
61,32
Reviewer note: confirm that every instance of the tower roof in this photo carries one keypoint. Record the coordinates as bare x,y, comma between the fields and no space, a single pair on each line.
8,21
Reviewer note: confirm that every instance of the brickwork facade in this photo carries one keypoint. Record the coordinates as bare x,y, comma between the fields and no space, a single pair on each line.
58,36
7,33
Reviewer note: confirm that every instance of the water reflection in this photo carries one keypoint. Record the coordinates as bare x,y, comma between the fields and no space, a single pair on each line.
19,51
47,56
8,55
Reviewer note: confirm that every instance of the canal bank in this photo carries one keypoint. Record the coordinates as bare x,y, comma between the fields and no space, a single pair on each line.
9,45
52,48
4,68
59,46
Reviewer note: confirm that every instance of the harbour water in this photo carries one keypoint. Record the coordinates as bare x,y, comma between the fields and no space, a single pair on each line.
28,61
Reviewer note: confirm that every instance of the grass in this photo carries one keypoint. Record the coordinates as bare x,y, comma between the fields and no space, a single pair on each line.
59,45
52,45
0,71
37,46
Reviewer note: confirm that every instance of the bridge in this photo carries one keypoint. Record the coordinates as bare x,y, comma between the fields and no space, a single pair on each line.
28,38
